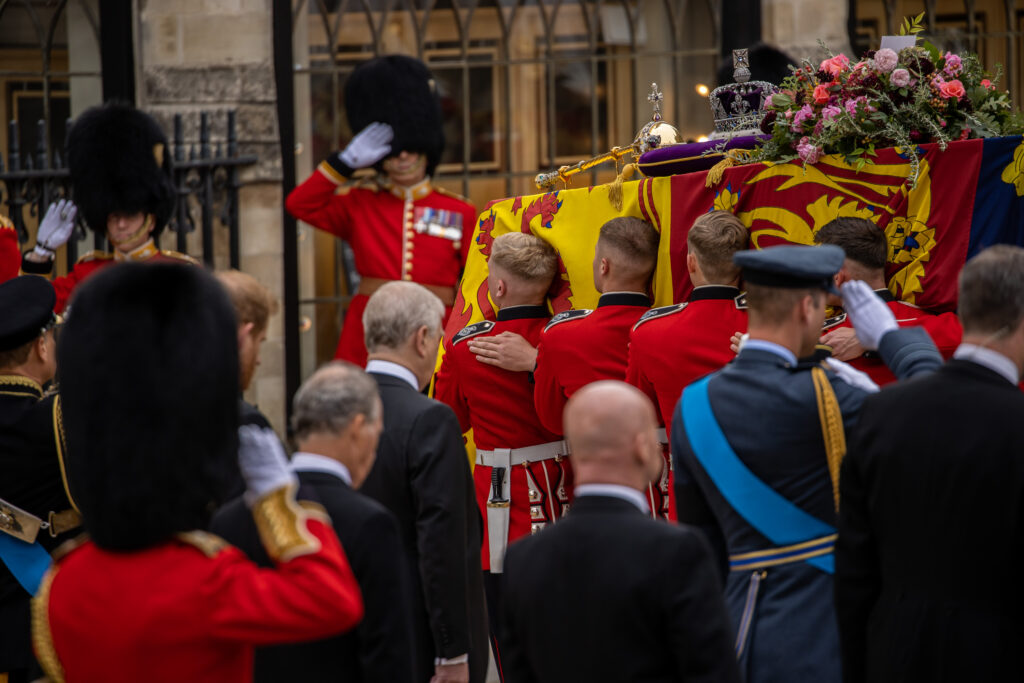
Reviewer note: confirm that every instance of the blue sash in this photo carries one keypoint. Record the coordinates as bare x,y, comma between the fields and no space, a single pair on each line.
27,561
774,517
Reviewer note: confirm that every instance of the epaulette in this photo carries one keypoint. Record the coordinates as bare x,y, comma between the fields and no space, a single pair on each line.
181,257
659,312
833,321
359,183
95,255
315,510
207,543
571,314
741,302
449,193
472,331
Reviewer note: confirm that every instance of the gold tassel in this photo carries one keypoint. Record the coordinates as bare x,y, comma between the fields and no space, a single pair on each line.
716,172
615,187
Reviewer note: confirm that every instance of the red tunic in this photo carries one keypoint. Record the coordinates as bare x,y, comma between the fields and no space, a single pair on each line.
420,234
944,329
498,405
93,261
673,346
187,610
10,253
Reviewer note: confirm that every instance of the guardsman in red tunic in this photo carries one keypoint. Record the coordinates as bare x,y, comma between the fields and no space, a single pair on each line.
866,248
151,596
10,254
672,346
521,472
400,226
121,177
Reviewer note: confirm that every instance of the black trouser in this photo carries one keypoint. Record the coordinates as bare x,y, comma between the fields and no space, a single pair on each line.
492,592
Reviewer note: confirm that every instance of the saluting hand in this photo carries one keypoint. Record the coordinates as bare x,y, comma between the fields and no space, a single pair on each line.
369,146
871,316
263,463
507,350
55,229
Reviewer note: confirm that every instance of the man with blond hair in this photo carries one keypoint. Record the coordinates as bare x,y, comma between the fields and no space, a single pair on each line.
672,346
519,468
422,477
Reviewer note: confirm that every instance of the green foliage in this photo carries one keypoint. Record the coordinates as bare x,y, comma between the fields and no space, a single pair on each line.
912,26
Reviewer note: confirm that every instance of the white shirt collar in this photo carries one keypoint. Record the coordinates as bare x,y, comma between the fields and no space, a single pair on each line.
993,360
386,367
312,462
771,347
615,491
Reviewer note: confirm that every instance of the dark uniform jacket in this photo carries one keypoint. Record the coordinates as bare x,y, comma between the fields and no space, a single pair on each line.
32,478
768,412
422,476
608,594
931,532
380,648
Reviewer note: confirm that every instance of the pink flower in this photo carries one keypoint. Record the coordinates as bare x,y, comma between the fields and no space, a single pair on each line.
886,60
830,112
803,114
952,90
860,65
768,102
964,133
851,106
953,64
900,78
821,93
938,81
807,152
985,83
836,65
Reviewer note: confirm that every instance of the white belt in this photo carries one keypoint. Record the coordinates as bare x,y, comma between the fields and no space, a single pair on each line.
510,457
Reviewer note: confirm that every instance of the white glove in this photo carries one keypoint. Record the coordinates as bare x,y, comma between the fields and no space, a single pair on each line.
852,375
870,316
262,461
55,228
369,146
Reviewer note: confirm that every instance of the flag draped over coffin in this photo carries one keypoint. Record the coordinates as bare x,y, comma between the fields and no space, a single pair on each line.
966,198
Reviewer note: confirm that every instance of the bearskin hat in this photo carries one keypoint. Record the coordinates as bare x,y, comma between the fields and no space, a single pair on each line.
401,92
151,422
119,161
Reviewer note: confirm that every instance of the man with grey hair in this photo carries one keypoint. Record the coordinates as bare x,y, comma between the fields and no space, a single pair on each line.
422,476
931,529
337,424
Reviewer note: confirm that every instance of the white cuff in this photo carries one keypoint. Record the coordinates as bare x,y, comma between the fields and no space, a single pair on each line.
452,661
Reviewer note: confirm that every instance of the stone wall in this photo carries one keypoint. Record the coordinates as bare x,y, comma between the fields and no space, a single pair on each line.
213,56
796,26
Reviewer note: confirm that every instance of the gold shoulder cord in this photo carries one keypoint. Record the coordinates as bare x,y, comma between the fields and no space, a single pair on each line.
58,435
831,427
42,638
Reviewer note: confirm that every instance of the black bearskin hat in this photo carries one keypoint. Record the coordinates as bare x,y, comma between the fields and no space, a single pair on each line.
149,396
120,161
767,63
401,92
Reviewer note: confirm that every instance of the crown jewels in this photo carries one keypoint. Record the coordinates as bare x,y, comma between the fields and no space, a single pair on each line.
738,107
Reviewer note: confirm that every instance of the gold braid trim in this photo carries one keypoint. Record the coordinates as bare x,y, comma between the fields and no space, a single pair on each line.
831,427
58,433
42,638
281,523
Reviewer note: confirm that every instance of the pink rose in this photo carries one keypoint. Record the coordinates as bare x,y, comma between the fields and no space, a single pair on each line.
953,64
985,83
952,90
851,106
900,78
807,152
768,102
860,65
886,60
803,114
836,65
821,94
830,112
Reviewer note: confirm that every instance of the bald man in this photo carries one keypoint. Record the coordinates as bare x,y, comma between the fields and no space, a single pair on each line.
609,594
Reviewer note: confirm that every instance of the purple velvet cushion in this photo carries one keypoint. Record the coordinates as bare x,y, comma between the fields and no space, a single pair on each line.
686,157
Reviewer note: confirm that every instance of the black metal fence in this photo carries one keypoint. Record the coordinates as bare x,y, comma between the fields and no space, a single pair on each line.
206,175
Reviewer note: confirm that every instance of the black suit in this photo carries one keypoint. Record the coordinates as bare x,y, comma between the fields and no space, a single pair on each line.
608,594
379,649
931,531
422,476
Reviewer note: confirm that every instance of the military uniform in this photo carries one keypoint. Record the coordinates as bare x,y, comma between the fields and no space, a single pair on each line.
582,346
944,330
674,345
32,463
421,234
95,260
10,254
752,469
